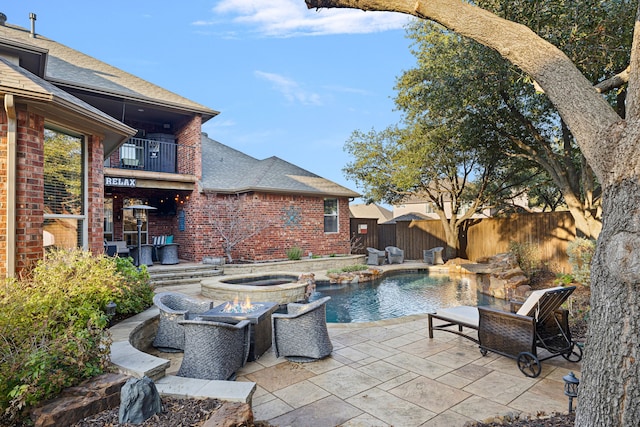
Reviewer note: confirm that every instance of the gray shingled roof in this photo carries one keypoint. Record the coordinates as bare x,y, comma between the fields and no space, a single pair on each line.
20,82
66,65
226,170
413,216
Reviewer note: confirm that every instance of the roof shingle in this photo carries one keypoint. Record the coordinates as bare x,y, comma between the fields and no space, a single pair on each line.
226,170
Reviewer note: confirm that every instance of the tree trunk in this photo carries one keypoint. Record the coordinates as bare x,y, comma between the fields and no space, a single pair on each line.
587,225
451,231
609,392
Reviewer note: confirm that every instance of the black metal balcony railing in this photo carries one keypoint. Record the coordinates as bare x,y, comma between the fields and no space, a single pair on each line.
152,155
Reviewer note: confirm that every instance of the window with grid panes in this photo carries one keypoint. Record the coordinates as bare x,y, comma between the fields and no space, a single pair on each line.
64,188
330,215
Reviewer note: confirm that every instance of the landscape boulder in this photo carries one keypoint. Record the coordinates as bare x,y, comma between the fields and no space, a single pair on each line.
75,403
500,276
139,400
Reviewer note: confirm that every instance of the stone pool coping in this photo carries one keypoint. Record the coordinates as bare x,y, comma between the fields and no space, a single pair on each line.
137,332
216,289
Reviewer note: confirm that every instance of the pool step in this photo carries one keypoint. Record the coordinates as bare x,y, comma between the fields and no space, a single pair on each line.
161,275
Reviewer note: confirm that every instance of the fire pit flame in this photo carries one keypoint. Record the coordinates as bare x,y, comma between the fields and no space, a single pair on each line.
238,307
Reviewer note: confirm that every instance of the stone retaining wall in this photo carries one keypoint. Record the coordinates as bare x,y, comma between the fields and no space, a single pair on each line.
298,266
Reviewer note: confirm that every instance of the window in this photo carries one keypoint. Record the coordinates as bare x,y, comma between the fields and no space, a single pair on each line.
64,189
108,219
130,155
331,215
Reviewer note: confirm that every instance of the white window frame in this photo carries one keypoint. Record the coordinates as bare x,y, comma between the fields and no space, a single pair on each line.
336,215
84,238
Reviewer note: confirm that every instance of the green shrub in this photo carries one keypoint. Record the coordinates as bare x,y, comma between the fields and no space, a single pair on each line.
348,269
294,253
53,324
563,279
580,253
527,255
136,294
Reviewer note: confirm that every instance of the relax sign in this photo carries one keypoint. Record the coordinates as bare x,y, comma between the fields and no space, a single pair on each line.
119,182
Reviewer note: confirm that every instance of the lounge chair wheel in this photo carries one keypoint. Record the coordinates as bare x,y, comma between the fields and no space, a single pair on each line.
574,354
529,364
484,351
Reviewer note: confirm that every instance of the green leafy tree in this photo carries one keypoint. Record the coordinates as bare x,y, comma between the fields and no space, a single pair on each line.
440,163
62,173
465,81
610,142
438,154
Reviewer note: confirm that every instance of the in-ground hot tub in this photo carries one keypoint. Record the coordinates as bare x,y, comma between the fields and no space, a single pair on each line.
280,287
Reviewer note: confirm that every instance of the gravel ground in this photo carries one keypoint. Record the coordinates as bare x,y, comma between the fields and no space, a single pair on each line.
564,420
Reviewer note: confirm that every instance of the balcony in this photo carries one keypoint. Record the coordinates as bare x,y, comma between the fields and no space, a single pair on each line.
154,155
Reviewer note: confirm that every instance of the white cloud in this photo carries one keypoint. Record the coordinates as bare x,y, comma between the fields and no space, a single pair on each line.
290,89
289,18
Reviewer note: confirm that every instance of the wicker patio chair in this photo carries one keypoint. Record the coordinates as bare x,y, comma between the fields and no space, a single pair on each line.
168,253
538,323
214,350
301,335
175,307
394,255
375,257
433,256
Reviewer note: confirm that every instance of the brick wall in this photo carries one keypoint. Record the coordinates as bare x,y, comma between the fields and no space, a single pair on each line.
29,189
189,159
95,194
295,221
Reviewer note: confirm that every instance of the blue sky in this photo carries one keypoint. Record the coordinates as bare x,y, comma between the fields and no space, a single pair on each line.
288,81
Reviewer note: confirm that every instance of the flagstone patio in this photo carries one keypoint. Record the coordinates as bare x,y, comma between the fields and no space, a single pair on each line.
389,373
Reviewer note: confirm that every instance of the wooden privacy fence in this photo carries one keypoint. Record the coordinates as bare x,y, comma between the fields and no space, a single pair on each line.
370,234
549,233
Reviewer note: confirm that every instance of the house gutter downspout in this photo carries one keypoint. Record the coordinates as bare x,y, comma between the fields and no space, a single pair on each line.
12,132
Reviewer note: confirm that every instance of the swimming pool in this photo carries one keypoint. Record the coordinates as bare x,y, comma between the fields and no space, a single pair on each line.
400,294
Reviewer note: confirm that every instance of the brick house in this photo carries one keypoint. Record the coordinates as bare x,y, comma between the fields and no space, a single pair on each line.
305,210
80,140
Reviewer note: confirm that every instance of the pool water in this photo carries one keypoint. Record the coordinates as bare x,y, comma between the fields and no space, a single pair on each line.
400,294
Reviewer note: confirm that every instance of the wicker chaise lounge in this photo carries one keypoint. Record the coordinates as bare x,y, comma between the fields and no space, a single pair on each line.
175,307
539,322
301,335
214,350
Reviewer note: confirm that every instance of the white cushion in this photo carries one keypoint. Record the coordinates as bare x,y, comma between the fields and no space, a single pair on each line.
464,313
532,301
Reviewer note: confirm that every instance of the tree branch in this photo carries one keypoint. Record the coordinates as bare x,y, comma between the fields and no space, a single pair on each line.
614,82
583,109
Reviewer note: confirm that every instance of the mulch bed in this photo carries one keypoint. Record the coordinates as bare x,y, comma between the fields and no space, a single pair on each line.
563,420
176,413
